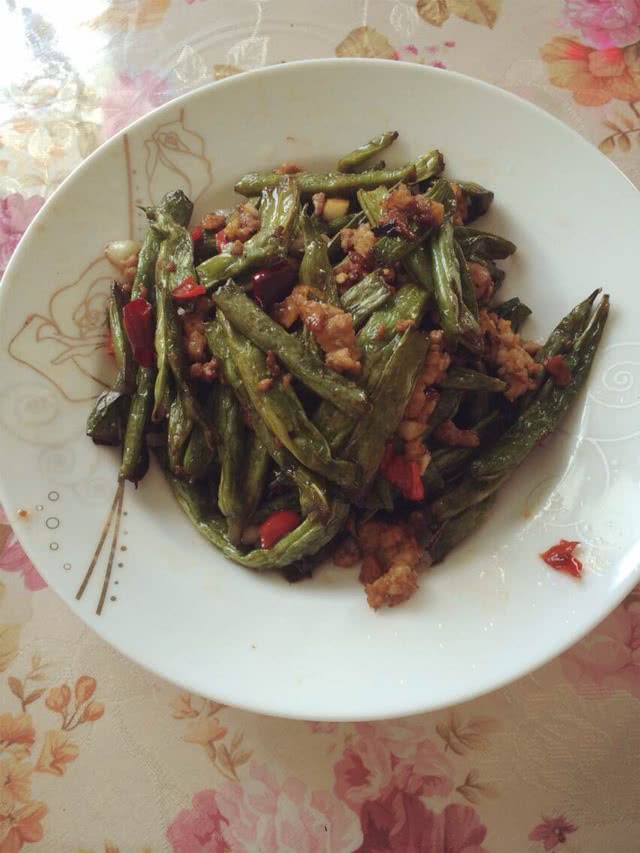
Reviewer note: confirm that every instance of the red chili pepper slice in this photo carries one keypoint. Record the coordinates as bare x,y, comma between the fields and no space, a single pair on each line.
196,233
188,289
559,369
560,557
272,284
276,526
403,473
137,317
221,240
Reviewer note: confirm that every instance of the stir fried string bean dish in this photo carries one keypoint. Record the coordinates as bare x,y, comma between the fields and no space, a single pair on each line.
326,371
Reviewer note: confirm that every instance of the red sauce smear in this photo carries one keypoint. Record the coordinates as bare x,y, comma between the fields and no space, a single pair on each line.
559,369
560,557
402,473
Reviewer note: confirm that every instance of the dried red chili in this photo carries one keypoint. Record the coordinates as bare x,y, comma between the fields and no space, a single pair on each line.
403,473
196,233
188,289
560,557
276,526
137,317
272,284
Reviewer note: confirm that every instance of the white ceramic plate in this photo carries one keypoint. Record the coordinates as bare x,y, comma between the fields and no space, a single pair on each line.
493,611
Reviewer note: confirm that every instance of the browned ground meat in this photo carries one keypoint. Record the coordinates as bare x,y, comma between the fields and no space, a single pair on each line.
401,208
331,327
214,222
242,223
195,341
460,216
506,351
390,551
288,169
448,433
264,384
394,587
272,363
206,372
437,361
358,243
360,239
482,281
347,553
423,401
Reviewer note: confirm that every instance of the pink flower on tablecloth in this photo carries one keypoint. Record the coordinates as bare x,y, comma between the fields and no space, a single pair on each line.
552,831
130,98
391,755
199,830
609,658
605,23
400,822
458,830
16,212
263,815
13,558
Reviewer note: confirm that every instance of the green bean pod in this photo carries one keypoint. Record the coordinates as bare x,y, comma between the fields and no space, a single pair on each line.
548,408
279,211
446,408
455,317
513,310
477,200
231,453
245,316
474,242
312,490
406,305
282,412
359,156
366,297
465,379
331,183
126,366
175,263
455,530
466,284
367,443
256,470
307,539
105,424
198,456
315,269
418,265
429,166
179,430
135,457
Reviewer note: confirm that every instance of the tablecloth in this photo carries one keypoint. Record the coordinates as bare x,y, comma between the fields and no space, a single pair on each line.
98,755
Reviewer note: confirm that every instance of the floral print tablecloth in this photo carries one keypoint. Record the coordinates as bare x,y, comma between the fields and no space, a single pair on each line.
97,755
